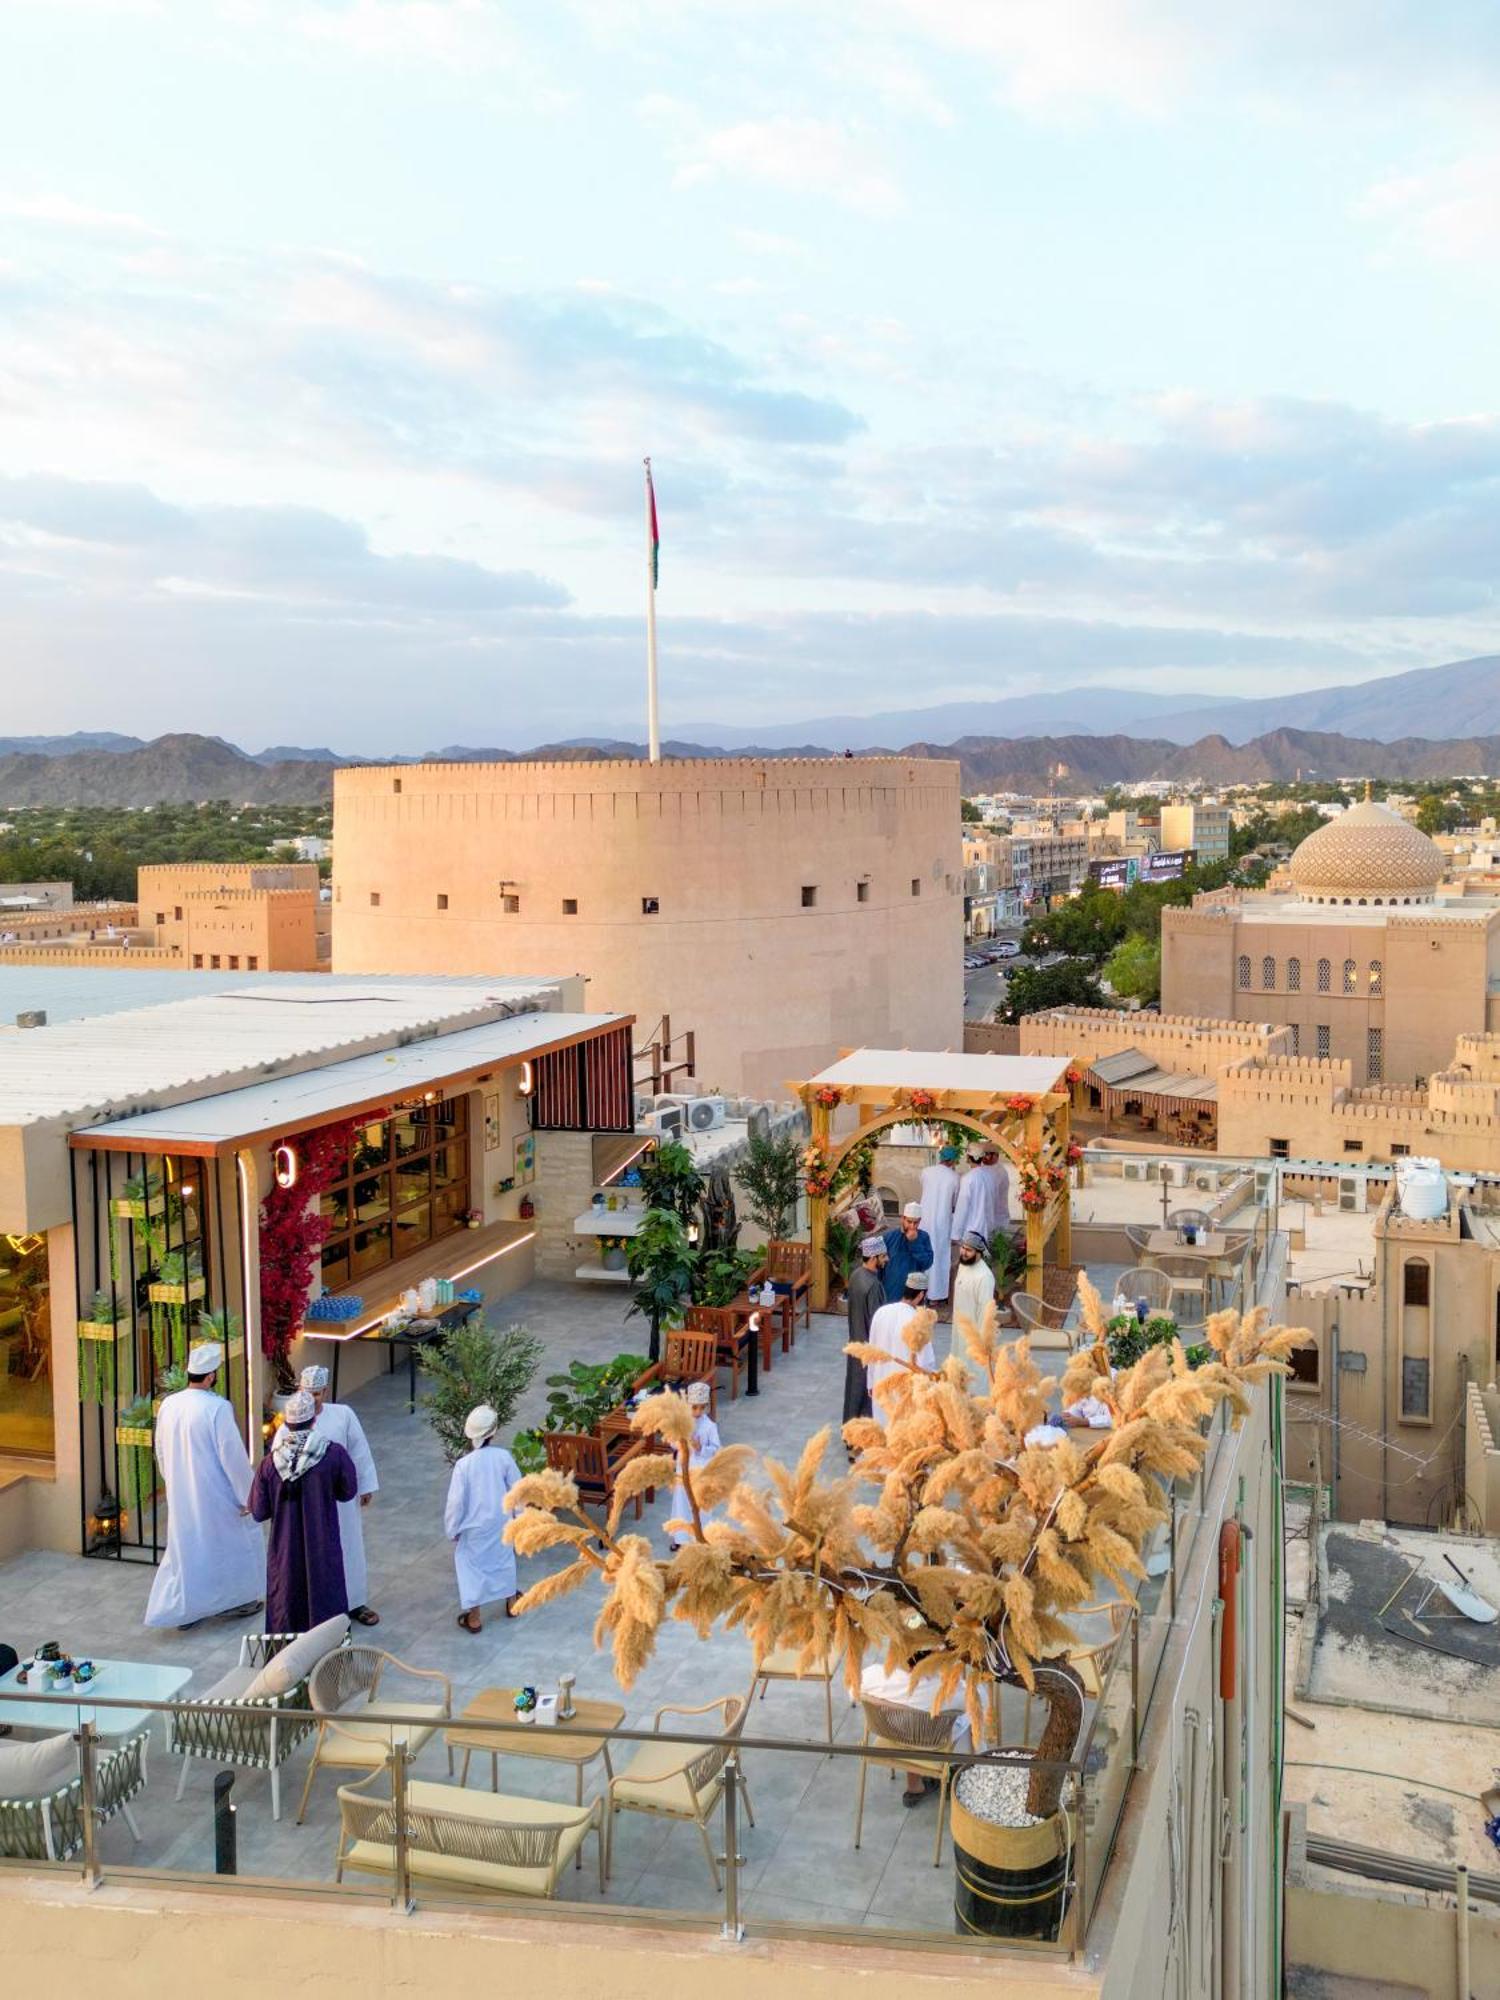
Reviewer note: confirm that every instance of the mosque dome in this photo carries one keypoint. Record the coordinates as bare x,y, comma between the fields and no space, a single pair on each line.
1367,855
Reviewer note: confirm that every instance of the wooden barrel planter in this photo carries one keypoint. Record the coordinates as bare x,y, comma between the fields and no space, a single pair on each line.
1011,1881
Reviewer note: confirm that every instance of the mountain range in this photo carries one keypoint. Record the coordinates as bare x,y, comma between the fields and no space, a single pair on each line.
183,769
1450,702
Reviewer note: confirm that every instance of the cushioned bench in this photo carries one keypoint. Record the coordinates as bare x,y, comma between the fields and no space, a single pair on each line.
470,1840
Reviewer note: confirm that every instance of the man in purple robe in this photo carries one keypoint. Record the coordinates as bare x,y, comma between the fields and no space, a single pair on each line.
297,1488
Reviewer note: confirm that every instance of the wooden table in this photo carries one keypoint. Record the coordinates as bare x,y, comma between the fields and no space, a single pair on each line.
1167,1243
553,1743
785,1307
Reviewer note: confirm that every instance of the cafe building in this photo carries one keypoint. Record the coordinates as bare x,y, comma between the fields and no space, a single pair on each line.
279,1161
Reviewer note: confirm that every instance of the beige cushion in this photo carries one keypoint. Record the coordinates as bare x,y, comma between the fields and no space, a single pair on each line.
295,1662
358,1744
666,1764
782,1661
37,1770
488,1808
238,1682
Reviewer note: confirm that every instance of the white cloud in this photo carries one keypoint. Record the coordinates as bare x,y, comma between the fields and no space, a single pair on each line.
60,211
1450,212
799,154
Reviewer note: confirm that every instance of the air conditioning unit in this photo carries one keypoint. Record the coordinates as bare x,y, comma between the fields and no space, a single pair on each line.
758,1123
1351,1194
665,1123
671,1100
704,1114
1265,1185
644,1106
1134,1170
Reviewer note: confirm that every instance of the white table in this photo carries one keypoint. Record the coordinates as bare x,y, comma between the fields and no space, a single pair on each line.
60,1709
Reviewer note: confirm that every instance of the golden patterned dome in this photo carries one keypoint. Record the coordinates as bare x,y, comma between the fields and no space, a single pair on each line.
1367,855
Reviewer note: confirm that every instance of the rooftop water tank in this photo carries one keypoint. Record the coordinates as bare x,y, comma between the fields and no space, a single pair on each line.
1422,1189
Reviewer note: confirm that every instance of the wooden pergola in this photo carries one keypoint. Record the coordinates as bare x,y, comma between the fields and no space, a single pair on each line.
1020,1103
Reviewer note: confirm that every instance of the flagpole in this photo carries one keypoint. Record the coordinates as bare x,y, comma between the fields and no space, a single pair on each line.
653,728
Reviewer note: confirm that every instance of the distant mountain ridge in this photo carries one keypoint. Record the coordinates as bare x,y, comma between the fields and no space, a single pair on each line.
185,769
1449,702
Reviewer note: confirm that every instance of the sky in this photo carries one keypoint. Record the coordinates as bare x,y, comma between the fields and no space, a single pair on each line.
981,347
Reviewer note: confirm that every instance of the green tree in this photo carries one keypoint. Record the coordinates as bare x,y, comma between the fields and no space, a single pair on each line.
662,1264
970,813
770,1176
1032,989
1133,968
1436,814
472,1366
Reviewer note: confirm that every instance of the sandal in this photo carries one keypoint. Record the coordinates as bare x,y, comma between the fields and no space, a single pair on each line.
510,1606
465,1620
365,1616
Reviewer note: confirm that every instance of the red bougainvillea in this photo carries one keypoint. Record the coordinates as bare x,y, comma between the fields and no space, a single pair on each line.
292,1230
829,1096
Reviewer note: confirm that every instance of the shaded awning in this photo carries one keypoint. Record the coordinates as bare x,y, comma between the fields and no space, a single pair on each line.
353,1088
1119,1068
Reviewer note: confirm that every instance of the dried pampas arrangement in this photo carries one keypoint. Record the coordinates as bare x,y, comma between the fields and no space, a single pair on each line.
950,1547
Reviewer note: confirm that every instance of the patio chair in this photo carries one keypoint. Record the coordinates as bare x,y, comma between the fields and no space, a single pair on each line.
271,1677
1189,1218
1151,1283
1188,1277
468,1840
1139,1238
788,1263
349,1680
731,1339
1044,1325
41,1794
1060,1287
590,1465
782,1663
688,1357
681,1781
896,1736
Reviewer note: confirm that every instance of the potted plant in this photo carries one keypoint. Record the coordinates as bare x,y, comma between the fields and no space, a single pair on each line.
473,1217
475,1365
98,1339
174,1282
612,1252
672,1181
588,1391
1008,1260
771,1181
961,1559
841,1245
721,1275
660,1260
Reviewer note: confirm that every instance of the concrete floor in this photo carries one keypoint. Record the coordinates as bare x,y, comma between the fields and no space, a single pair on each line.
801,1863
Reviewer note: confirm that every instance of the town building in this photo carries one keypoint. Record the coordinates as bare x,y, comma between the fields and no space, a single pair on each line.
777,908
138,1144
991,898
235,916
1202,825
1367,958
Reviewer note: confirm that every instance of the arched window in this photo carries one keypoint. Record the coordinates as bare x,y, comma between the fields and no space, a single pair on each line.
1325,976
1376,974
1268,974
1243,972
1351,977
1294,975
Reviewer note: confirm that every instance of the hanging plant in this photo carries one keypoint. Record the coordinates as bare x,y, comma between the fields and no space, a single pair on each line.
1039,1181
829,1096
817,1171
291,1234
1019,1106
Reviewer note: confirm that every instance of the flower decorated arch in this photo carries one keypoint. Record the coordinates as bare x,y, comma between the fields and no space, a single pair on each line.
1020,1105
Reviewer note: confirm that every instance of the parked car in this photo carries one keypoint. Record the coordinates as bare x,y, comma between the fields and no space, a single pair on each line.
1007,948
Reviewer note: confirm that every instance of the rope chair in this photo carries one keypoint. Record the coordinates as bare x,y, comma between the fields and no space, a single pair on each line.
1188,1276
1034,1314
1148,1282
682,1781
896,1737
1189,1218
348,1681
1138,1238
479,1840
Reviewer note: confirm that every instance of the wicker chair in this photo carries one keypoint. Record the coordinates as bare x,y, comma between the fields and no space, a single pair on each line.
679,1780
1189,1218
257,1736
48,1826
1150,1283
897,1736
689,1357
783,1663
1139,1238
467,1840
788,1263
1187,1276
731,1340
1044,1324
350,1680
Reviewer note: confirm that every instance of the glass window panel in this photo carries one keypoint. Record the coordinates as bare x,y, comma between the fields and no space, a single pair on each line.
372,1248
453,1114
25,1347
412,1178
449,1164
336,1265
448,1204
333,1206
372,1146
372,1197
413,1228
408,1136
